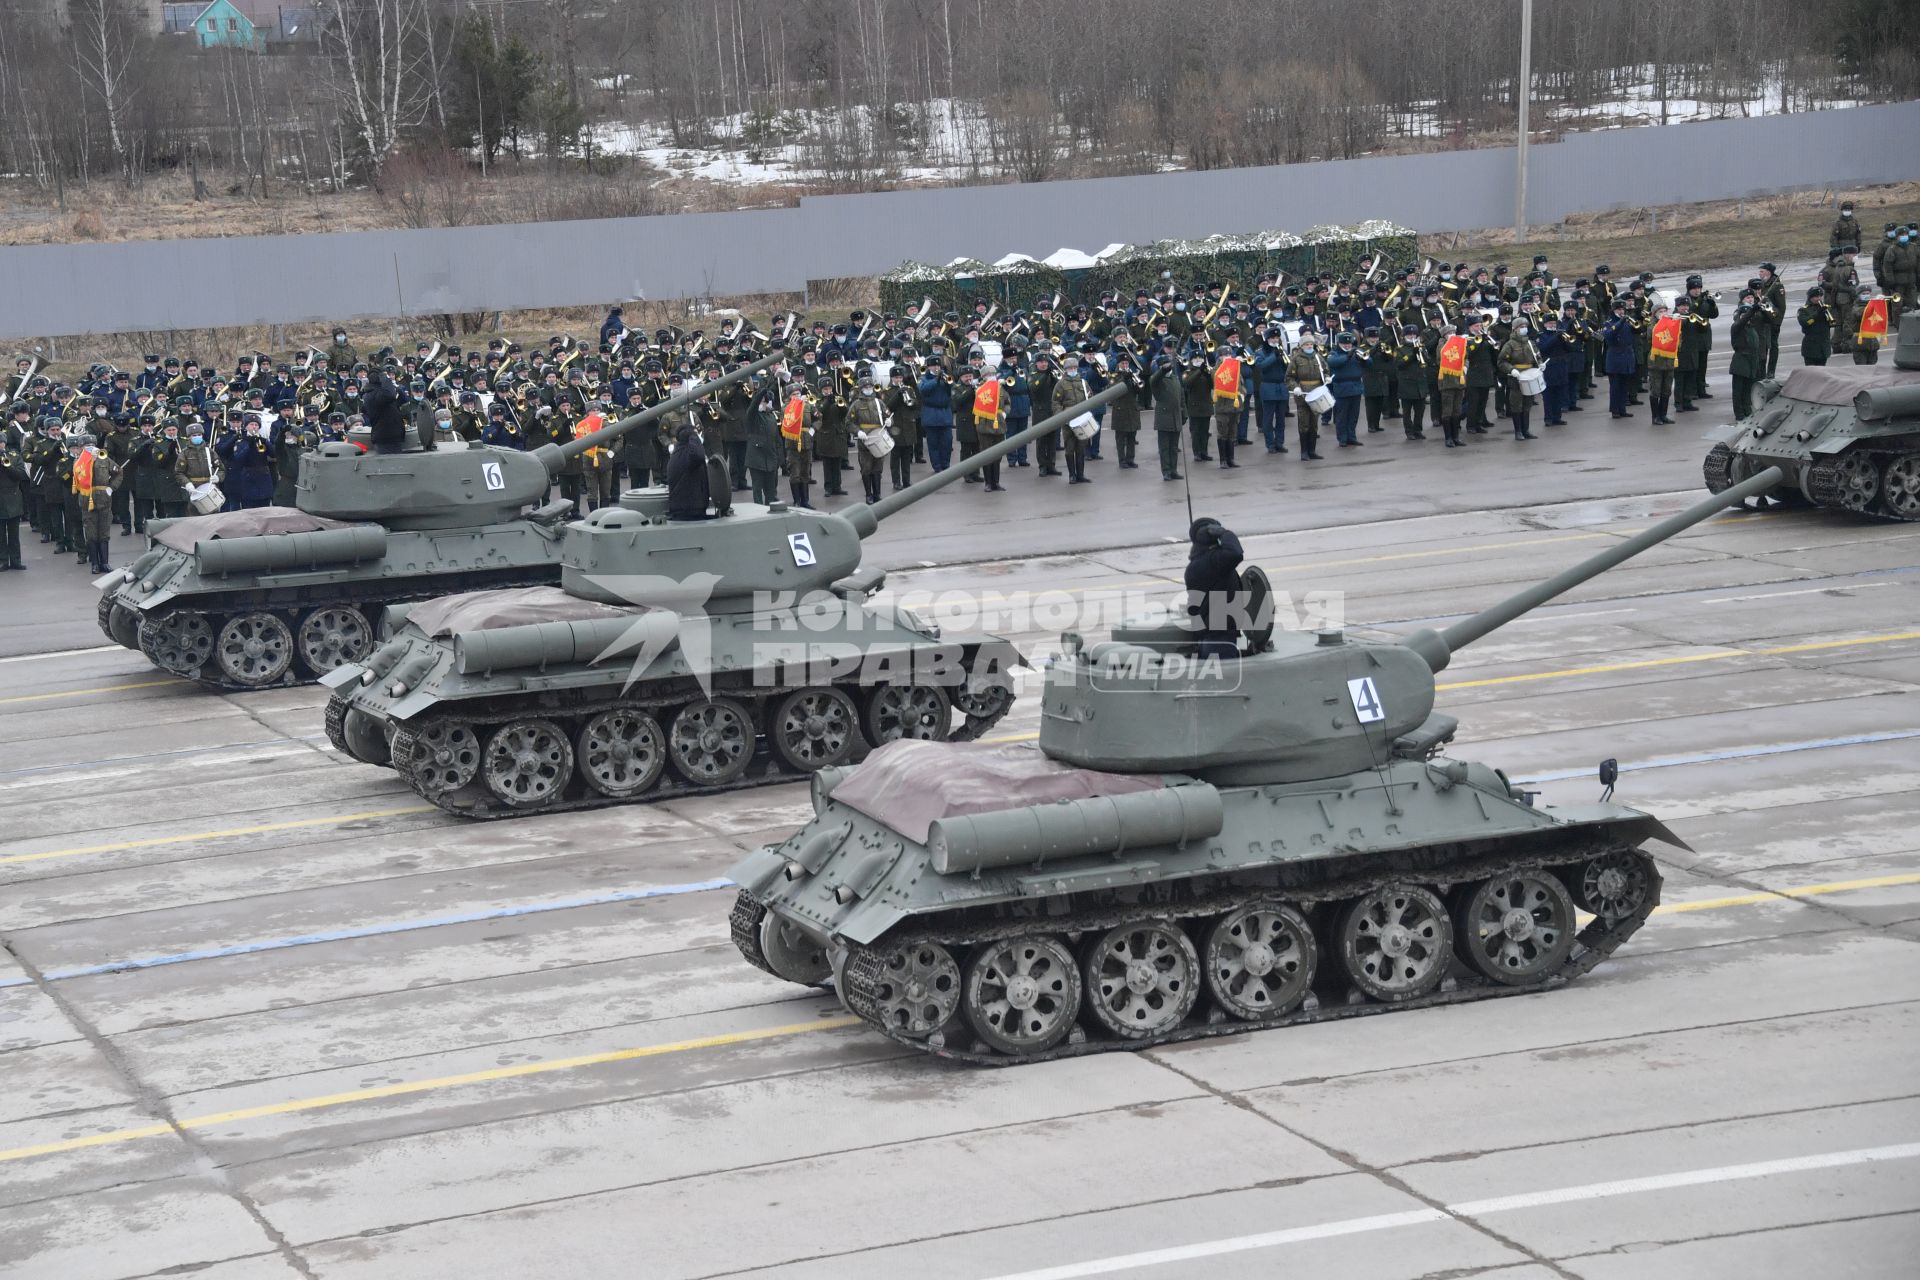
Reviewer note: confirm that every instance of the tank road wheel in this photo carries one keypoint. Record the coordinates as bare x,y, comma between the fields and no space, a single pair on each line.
123,624
917,711
367,738
1900,484
1261,960
1857,481
1395,942
527,762
437,758
1022,994
911,988
621,752
1718,469
792,953
1615,885
711,742
254,649
180,642
1515,928
334,636
1142,979
813,728
984,697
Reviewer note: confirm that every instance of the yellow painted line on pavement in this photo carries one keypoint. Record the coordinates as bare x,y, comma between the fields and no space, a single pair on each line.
1769,652
76,693
1774,895
324,1101
264,828
839,1023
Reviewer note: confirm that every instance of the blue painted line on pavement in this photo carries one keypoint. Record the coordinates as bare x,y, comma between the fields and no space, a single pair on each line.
378,930
1734,753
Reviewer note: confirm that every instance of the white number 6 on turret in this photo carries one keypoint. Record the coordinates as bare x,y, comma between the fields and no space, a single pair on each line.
490,472
1366,700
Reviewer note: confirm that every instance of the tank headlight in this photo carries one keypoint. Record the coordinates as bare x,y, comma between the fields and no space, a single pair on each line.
794,870
397,688
1757,433
367,677
127,576
843,894
1803,436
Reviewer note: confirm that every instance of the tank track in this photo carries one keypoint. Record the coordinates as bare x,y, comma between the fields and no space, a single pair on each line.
1827,485
744,924
209,677
860,970
474,801
337,724
103,613
1717,469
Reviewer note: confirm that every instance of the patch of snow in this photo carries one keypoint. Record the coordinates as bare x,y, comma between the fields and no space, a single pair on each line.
1072,259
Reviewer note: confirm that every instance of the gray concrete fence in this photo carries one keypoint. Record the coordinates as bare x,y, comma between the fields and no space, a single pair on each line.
254,280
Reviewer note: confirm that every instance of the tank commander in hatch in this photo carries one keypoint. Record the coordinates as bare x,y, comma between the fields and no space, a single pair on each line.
1213,588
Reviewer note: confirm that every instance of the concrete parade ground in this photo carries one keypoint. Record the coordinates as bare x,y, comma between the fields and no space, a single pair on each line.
265,1013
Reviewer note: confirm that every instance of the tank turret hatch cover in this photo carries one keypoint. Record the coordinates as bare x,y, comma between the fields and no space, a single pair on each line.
507,607
252,522
908,785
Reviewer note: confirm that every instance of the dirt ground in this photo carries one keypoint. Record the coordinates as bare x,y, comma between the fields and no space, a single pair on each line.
1689,237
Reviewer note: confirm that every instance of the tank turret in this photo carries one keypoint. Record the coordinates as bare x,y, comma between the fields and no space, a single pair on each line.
466,484
678,655
755,550
1201,843
1295,706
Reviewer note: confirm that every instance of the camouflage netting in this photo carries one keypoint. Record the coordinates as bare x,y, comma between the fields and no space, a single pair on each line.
1019,284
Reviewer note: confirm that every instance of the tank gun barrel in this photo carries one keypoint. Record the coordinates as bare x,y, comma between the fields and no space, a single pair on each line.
552,456
1437,647
865,519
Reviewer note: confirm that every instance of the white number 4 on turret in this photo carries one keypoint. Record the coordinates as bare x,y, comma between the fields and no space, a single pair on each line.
802,548
1366,700
490,472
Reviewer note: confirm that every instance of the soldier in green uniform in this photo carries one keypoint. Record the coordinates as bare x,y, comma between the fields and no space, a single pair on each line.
1306,370
797,439
1069,391
1841,283
867,417
1749,353
902,401
13,502
763,454
1816,328
119,444
1410,384
1773,312
1040,393
1846,229
54,467
1124,413
1199,396
1168,390
830,440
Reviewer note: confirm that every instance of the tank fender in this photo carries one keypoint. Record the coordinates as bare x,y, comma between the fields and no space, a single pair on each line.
1631,825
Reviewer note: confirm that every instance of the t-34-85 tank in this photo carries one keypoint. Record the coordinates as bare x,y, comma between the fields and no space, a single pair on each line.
677,656
1845,436
283,595
1199,846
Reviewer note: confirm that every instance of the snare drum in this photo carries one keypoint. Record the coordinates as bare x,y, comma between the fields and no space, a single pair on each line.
1532,382
207,498
1320,400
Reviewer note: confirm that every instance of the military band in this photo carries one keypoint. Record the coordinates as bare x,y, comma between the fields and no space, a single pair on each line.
1441,345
